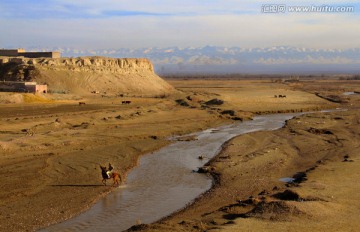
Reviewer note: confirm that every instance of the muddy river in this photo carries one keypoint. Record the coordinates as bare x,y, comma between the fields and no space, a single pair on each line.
165,181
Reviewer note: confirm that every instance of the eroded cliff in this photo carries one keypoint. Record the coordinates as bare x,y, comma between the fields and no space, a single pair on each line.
131,76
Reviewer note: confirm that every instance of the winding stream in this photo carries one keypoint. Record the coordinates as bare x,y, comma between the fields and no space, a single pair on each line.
165,180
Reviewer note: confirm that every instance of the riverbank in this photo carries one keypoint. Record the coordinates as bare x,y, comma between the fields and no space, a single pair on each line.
50,152
320,151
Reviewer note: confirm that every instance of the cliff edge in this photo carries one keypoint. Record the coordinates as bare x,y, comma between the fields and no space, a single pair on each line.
131,76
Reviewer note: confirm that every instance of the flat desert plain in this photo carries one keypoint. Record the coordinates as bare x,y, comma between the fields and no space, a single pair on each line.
51,148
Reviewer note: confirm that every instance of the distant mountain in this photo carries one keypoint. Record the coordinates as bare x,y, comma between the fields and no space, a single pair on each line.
215,59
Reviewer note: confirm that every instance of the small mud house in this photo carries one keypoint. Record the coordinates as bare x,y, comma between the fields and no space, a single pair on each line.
22,52
25,87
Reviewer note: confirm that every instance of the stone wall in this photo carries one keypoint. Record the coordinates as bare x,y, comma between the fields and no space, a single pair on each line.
9,52
40,54
22,52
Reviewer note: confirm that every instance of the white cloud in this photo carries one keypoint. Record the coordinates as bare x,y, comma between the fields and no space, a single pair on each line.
210,23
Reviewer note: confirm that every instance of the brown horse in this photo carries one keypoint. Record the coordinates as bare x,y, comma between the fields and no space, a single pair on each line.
112,175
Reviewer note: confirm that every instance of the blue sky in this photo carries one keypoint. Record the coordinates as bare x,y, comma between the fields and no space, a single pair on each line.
160,23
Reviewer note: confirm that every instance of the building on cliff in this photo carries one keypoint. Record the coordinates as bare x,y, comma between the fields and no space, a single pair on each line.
22,52
19,86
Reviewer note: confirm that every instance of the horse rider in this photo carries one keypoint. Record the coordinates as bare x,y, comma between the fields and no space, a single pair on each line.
110,171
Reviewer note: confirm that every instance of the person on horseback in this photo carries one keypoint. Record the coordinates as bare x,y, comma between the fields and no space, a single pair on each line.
110,171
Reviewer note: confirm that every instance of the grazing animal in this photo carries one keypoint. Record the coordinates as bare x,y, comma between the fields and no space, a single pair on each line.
108,174
125,102
81,103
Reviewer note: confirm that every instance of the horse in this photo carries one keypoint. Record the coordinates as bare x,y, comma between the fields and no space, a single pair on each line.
113,175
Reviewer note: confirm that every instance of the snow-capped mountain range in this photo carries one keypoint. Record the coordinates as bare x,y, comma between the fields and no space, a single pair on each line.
216,59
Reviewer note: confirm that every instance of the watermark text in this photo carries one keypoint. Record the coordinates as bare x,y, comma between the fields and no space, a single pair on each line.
283,8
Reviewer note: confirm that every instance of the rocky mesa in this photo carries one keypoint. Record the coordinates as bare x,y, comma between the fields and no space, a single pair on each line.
81,75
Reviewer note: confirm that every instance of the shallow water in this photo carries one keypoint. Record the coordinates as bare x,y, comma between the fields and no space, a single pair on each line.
349,93
287,179
165,180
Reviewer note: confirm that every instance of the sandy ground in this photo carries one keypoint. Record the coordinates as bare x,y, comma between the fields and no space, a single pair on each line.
50,151
320,150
